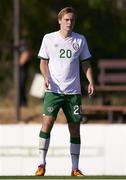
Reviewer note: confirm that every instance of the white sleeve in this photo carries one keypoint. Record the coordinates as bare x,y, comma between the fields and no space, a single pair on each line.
85,53
43,52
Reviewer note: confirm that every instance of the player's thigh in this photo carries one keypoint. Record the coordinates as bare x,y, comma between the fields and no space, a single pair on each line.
52,104
72,108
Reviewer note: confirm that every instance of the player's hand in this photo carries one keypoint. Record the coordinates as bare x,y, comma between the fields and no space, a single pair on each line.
90,89
46,83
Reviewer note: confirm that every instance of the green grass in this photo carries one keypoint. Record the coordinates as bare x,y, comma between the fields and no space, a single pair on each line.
62,177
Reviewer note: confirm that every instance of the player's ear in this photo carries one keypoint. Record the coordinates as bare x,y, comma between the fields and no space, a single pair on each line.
59,21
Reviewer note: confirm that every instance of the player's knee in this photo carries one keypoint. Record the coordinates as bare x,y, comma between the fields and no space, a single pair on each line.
47,124
74,129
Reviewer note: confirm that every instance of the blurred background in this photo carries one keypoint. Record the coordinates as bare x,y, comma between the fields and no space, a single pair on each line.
23,24
102,22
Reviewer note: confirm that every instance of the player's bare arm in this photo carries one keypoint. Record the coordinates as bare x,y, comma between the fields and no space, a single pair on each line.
88,72
44,71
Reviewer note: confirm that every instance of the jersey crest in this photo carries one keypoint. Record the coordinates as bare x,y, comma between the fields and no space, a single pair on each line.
75,46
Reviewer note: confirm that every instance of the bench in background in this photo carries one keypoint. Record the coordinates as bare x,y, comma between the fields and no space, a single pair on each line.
110,112
112,80
112,75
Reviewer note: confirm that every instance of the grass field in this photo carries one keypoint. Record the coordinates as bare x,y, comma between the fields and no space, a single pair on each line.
61,177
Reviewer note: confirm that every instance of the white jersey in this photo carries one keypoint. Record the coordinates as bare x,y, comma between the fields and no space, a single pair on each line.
64,55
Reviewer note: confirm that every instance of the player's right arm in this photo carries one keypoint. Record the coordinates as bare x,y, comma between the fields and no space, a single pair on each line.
88,72
44,71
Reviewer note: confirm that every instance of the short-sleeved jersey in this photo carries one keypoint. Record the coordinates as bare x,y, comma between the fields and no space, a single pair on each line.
64,56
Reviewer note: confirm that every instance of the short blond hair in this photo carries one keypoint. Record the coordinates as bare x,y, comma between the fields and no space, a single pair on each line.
64,11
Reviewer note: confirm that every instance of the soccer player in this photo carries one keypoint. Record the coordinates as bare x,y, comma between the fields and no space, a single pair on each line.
61,53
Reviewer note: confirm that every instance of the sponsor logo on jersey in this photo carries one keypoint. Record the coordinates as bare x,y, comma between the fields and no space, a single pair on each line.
55,45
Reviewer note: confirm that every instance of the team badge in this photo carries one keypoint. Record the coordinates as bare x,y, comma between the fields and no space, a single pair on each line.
50,109
75,46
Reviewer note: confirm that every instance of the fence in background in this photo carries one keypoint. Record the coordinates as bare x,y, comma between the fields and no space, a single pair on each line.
102,151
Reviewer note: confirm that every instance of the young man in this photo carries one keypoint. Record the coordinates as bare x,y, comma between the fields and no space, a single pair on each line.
61,53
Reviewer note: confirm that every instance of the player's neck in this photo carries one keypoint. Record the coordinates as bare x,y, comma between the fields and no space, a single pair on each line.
65,34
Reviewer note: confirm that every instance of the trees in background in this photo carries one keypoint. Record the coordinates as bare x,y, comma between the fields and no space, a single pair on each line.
102,22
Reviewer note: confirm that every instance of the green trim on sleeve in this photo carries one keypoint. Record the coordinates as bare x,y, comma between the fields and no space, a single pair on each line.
43,58
88,59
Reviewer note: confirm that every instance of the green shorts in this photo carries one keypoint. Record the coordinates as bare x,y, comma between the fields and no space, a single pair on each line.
70,104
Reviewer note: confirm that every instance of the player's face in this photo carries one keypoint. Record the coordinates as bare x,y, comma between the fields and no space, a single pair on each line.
67,22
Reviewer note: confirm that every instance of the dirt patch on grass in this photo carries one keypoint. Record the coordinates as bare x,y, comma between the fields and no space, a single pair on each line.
27,115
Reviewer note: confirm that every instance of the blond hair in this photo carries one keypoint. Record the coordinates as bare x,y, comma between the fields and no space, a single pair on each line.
64,11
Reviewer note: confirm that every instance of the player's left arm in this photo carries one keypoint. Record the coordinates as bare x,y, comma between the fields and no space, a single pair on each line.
86,66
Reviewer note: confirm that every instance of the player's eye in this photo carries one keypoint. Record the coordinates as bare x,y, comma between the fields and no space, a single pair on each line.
67,20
